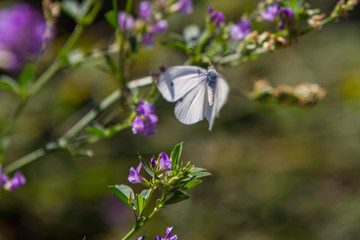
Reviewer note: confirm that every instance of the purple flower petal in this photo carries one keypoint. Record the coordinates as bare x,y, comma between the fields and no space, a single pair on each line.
240,30
153,162
164,162
22,33
271,12
145,10
126,22
138,125
17,181
217,17
184,6
134,176
3,177
159,27
148,39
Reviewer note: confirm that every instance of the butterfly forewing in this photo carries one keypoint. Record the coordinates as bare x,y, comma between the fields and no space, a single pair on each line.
191,108
177,81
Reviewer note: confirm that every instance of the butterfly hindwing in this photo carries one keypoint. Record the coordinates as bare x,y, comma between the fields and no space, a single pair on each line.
191,108
220,97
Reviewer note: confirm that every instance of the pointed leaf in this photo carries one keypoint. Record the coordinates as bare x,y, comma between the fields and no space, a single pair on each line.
125,193
98,130
202,174
140,203
178,196
178,45
145,193
9,84
146,167
175,155
192,184
26,75
111,17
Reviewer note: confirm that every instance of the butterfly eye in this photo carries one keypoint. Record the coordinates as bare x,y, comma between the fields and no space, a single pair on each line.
172,84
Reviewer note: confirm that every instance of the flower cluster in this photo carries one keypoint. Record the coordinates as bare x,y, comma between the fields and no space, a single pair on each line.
12,184
161,165
146,119
23,31
275,12
167,235
305,94
151,19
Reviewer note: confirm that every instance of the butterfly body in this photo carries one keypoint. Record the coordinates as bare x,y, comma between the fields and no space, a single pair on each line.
199,93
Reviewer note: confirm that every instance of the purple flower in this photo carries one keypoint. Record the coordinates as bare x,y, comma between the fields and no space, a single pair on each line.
153,162
285,14
164,162
240,30
145,10
148,39
167,236
3,177
183,6
135,176
126,21
140,238
145,123
23,31
271,12
138,125
159,27
216,17
17,181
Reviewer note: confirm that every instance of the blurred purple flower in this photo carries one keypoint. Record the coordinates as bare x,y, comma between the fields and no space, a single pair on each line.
271,12
159,27
23,31
145,123
17,181
138,125
183,6
3,177
126,21
285,14
153,162
167,236
145,10
135,176
164,162
240,30
148,39
216,17
140,238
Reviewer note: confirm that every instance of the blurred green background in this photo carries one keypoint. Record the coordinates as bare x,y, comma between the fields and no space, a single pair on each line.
279,172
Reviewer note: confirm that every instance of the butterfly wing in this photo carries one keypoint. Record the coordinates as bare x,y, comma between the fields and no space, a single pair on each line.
191,108
221,93
177,81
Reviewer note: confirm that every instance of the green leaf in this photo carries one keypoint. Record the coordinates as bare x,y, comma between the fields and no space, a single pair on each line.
192,184
146,167
9,84
178,196
111,17
125,193
145,193
178,45
175,155
26,75
98,130
140,203
202,174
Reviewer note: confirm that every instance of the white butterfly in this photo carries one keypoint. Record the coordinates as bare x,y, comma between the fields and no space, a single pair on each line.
198,92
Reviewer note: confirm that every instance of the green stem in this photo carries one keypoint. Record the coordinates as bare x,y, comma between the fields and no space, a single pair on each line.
140,225
79,126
